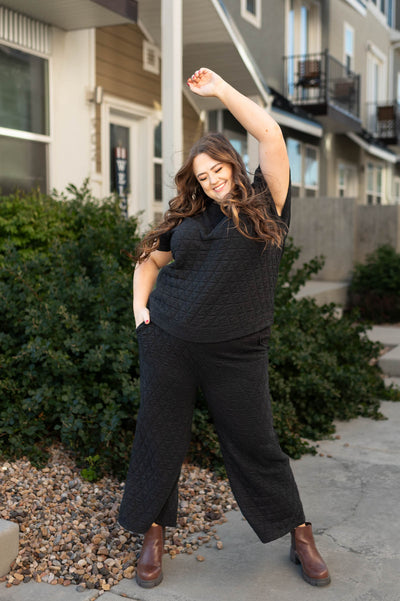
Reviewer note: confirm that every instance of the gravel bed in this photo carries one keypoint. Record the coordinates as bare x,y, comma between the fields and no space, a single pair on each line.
69,533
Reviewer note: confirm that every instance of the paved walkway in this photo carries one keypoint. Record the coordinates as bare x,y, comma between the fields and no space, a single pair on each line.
350,492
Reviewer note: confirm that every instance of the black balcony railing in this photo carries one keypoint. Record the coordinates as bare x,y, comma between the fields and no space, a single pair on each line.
383,120
318,80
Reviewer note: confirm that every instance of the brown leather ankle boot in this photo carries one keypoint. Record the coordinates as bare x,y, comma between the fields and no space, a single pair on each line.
304,551
149,565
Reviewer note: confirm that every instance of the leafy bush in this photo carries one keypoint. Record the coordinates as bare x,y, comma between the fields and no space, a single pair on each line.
69,356
375,286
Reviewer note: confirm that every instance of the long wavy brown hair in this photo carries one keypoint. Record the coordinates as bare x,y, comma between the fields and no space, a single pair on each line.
241,202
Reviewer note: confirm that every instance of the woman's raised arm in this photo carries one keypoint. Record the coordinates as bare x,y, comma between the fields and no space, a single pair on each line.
274,162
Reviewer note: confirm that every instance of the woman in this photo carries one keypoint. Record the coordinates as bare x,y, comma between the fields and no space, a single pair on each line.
207,324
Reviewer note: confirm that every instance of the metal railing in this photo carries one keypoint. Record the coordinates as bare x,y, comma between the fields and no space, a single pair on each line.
383,120
318,79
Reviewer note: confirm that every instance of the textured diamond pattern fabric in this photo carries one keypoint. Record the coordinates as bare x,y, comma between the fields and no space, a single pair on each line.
220,285
234,378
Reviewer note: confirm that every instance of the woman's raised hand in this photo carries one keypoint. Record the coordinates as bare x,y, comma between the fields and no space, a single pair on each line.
205,82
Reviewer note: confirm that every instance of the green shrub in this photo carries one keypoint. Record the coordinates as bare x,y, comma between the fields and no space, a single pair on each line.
375,286
69,356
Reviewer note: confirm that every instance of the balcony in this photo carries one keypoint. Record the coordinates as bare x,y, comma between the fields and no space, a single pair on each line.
383,121
324,87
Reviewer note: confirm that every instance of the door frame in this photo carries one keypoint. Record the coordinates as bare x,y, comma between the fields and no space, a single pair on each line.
141,120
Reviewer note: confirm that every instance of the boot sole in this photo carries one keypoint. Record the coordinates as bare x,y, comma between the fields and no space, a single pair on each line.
313,581
149,583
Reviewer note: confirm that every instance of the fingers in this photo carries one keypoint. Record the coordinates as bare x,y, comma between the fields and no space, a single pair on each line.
198,76
142,315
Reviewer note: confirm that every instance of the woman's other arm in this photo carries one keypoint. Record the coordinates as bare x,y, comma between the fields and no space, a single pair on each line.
144,278
274,161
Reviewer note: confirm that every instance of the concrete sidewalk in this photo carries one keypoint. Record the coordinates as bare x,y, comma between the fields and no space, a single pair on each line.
350,492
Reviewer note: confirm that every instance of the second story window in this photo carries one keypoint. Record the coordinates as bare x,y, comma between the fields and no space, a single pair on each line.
250,10
349,47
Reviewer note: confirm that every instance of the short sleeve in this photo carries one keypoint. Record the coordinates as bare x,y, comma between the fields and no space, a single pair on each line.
261,187
165,241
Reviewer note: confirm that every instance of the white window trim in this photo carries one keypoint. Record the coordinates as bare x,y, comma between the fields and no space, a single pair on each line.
358,7
27,135
378,14
24,135
111,106
256,19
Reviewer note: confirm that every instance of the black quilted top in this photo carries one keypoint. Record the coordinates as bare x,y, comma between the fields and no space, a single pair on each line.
220,285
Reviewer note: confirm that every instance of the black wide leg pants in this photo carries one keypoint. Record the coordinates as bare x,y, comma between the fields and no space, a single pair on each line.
234,378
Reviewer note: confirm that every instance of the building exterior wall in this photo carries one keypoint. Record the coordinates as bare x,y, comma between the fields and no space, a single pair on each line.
133,93
266,44
370,32
71,77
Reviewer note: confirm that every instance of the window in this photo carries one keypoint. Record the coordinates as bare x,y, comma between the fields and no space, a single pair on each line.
347,180
374,184
295,160
304,167
398,87
396,189
24,119
119,163
349,47
157,163
223,121
250,10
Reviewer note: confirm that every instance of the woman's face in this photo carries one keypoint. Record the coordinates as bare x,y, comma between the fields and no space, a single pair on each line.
213,176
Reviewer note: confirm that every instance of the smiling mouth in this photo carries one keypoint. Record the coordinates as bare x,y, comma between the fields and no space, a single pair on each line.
219,188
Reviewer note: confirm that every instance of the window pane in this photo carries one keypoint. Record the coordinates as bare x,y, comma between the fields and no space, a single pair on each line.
119,159
304,22
379,180
157,182
22,165
349,41
294,152
311,170
251,6
157,141
23,91
341,176
370,177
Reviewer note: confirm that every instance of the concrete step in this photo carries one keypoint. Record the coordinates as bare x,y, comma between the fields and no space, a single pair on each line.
394,381
390,362
388,335
325,292
9,541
